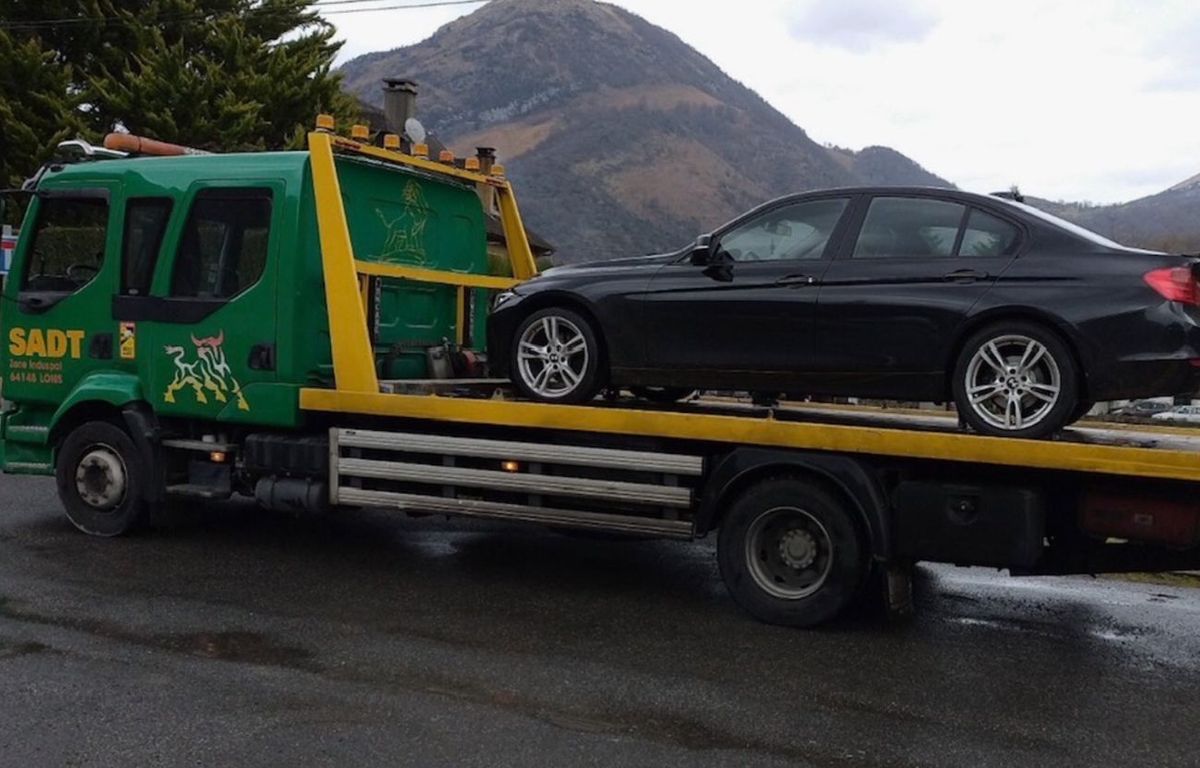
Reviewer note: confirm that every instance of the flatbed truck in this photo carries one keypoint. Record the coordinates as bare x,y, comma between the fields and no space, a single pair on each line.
304,328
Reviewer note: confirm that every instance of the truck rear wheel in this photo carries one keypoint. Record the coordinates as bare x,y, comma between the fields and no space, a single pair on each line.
790,553
101,479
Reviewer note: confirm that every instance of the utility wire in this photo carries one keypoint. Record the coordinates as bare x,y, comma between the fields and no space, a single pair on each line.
34,24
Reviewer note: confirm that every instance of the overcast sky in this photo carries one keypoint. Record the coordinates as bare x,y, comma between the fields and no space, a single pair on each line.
1093,100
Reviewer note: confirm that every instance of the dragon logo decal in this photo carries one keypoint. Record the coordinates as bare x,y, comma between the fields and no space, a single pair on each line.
208,375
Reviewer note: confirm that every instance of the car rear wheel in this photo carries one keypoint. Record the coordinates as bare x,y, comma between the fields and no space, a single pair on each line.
556,357
1016,379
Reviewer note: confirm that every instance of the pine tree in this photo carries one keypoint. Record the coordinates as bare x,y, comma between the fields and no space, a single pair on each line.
36,111
217,74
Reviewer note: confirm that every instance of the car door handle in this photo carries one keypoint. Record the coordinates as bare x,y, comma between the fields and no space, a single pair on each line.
964,276
796,281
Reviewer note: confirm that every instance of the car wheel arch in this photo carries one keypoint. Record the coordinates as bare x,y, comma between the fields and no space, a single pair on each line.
549,300
1033,315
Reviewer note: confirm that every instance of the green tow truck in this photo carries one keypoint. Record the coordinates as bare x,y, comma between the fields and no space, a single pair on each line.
306,328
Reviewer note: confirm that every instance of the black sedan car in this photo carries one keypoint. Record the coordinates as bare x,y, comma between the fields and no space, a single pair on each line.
1021,318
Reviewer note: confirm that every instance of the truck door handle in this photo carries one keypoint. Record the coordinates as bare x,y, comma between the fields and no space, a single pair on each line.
964,276
796,281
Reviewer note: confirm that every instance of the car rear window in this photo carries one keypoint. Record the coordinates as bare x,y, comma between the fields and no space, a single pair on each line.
909,227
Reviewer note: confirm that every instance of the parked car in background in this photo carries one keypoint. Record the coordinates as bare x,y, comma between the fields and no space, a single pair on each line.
1184,413
1144,408
1022,319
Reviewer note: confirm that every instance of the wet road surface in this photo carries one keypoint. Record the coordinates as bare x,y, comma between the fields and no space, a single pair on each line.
235,637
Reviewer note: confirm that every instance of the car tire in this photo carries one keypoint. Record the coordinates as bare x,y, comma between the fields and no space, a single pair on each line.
562,369
663,395
101,479
1016,379
790,552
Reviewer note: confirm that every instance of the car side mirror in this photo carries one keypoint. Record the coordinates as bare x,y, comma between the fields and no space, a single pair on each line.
702,251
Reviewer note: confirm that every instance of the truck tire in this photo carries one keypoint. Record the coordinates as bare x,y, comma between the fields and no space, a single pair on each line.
790,552
101,479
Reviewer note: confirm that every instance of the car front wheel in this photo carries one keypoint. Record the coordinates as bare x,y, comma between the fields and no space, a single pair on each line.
556,357
1016,379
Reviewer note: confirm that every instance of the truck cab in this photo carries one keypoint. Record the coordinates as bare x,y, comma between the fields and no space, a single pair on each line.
193,286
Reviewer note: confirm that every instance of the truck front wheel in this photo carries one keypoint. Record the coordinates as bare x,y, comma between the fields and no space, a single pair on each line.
790,553
101,479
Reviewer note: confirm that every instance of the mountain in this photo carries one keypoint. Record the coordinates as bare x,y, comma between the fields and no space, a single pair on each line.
1167,221
620,138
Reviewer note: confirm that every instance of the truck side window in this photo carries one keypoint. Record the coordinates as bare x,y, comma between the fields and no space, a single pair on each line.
145,223
67,250
223,250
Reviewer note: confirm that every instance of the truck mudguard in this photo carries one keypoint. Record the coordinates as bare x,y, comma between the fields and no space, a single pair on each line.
848,475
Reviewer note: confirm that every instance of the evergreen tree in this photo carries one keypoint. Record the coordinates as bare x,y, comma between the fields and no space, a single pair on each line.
217,74
36,111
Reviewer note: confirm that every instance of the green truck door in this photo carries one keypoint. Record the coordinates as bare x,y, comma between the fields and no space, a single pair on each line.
58,325
206,334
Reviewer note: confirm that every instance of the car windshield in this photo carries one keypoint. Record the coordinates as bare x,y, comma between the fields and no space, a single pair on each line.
1074,229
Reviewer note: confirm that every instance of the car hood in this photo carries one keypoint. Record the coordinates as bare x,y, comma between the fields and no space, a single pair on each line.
634,264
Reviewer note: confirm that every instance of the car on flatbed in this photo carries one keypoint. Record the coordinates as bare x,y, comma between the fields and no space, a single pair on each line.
1022,319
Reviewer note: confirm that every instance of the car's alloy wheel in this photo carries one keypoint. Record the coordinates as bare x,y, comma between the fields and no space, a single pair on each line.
1016,380
556,357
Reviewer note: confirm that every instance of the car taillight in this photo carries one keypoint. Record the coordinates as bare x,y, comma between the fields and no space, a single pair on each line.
1175,284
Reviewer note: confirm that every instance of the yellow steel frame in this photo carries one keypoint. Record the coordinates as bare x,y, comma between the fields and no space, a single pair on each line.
346,283
743,430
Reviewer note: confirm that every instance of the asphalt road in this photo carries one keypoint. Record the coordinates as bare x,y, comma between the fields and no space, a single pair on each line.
233,637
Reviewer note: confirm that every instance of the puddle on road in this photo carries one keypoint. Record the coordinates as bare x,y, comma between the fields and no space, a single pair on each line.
13,650
233,646
243,647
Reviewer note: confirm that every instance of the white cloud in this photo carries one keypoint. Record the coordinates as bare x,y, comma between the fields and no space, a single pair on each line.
1074,99
861,25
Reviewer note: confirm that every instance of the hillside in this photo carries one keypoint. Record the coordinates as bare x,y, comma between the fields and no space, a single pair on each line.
620,137
1167,221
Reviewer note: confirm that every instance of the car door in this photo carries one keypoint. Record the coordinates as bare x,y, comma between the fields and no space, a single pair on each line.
892,303
741,315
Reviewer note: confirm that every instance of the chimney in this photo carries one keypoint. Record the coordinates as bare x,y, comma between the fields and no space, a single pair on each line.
399,102
487,194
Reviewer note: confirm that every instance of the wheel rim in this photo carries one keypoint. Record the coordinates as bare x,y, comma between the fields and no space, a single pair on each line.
101,479
1013,382
553,356
789,553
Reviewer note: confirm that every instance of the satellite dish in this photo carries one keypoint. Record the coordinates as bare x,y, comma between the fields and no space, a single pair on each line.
414,130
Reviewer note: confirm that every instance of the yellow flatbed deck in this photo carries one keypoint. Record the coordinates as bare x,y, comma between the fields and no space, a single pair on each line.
1172,454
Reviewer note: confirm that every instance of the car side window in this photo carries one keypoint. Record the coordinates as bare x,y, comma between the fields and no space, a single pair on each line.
223,249
909,227
145,223
799,231
67,249
987,235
